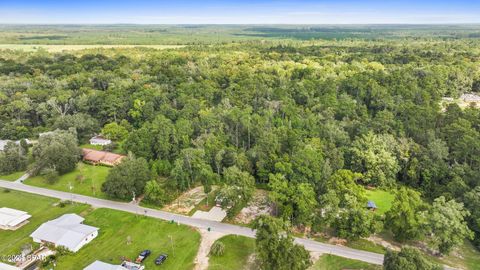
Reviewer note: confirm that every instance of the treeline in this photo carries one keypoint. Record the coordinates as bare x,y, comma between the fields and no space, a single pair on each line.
316,124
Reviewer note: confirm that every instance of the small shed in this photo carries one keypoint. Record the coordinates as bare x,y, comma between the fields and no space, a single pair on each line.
99,140
371,205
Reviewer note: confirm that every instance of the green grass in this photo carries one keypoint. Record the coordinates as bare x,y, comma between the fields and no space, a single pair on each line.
145,233
383,200
332,262
237,251
41,208
91,185
12,177
91,146
366,245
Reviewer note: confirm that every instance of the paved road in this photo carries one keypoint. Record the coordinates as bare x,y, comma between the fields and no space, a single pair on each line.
310,245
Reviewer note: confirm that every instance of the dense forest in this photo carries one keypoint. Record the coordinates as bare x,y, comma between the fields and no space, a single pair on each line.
314,124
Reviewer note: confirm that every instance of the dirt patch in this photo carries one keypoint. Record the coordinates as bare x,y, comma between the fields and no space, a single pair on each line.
187,201
380,241
258,205
252,263
337,241
208,238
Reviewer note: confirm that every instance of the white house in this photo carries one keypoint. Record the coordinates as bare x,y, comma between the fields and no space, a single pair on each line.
11,219
99,140
67,231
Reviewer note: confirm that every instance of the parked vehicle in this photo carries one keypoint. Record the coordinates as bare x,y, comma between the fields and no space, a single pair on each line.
143,255
160,259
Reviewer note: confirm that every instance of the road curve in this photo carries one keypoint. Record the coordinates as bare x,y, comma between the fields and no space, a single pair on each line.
310,245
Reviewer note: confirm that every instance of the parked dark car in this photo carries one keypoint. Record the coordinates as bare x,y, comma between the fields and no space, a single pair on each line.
160,259
143,255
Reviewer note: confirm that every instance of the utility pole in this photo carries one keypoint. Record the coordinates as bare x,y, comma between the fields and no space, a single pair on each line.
171,243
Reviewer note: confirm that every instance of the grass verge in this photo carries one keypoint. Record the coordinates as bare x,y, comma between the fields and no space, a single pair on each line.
12,177
238,249
332,262
93,178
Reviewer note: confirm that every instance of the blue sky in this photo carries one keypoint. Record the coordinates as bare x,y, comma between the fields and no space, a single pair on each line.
240,12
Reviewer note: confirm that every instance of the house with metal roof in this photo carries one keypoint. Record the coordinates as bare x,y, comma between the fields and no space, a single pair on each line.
66,231
99,140
12,219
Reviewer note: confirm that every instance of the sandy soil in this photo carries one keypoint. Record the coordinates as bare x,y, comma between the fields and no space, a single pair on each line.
258,205
208,238
187,201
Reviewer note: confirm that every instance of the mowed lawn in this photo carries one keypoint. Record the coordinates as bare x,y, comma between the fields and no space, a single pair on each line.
332,262
41,208
179,242
91,185
383,199
237,251
12,177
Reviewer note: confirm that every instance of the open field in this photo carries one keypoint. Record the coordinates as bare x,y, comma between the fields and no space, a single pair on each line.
41,208
383,200
238,249
210,34
332,262
12,177
94,176
179,242
61,48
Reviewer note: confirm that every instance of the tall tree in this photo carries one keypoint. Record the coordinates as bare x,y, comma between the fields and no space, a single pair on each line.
374,156
445,225
57,151
403,218
275,247
127,178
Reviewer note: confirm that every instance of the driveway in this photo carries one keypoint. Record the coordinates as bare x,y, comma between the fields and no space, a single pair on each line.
310,245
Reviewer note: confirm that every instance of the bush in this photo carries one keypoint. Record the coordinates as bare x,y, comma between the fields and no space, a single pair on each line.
62,204
110,147
217,249
6,190
50,175
407,258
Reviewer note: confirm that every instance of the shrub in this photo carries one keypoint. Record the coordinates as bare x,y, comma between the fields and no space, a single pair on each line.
217,249
51,175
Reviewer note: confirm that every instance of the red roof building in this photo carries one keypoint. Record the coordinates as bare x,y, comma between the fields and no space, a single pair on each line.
101,157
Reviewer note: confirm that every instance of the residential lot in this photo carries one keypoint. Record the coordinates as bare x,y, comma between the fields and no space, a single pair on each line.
85,179
41,208
116,228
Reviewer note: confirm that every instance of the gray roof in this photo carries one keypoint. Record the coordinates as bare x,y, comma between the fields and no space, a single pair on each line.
98,265
66,231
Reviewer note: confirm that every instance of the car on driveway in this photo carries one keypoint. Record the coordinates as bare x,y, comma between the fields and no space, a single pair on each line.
143,255
160,259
